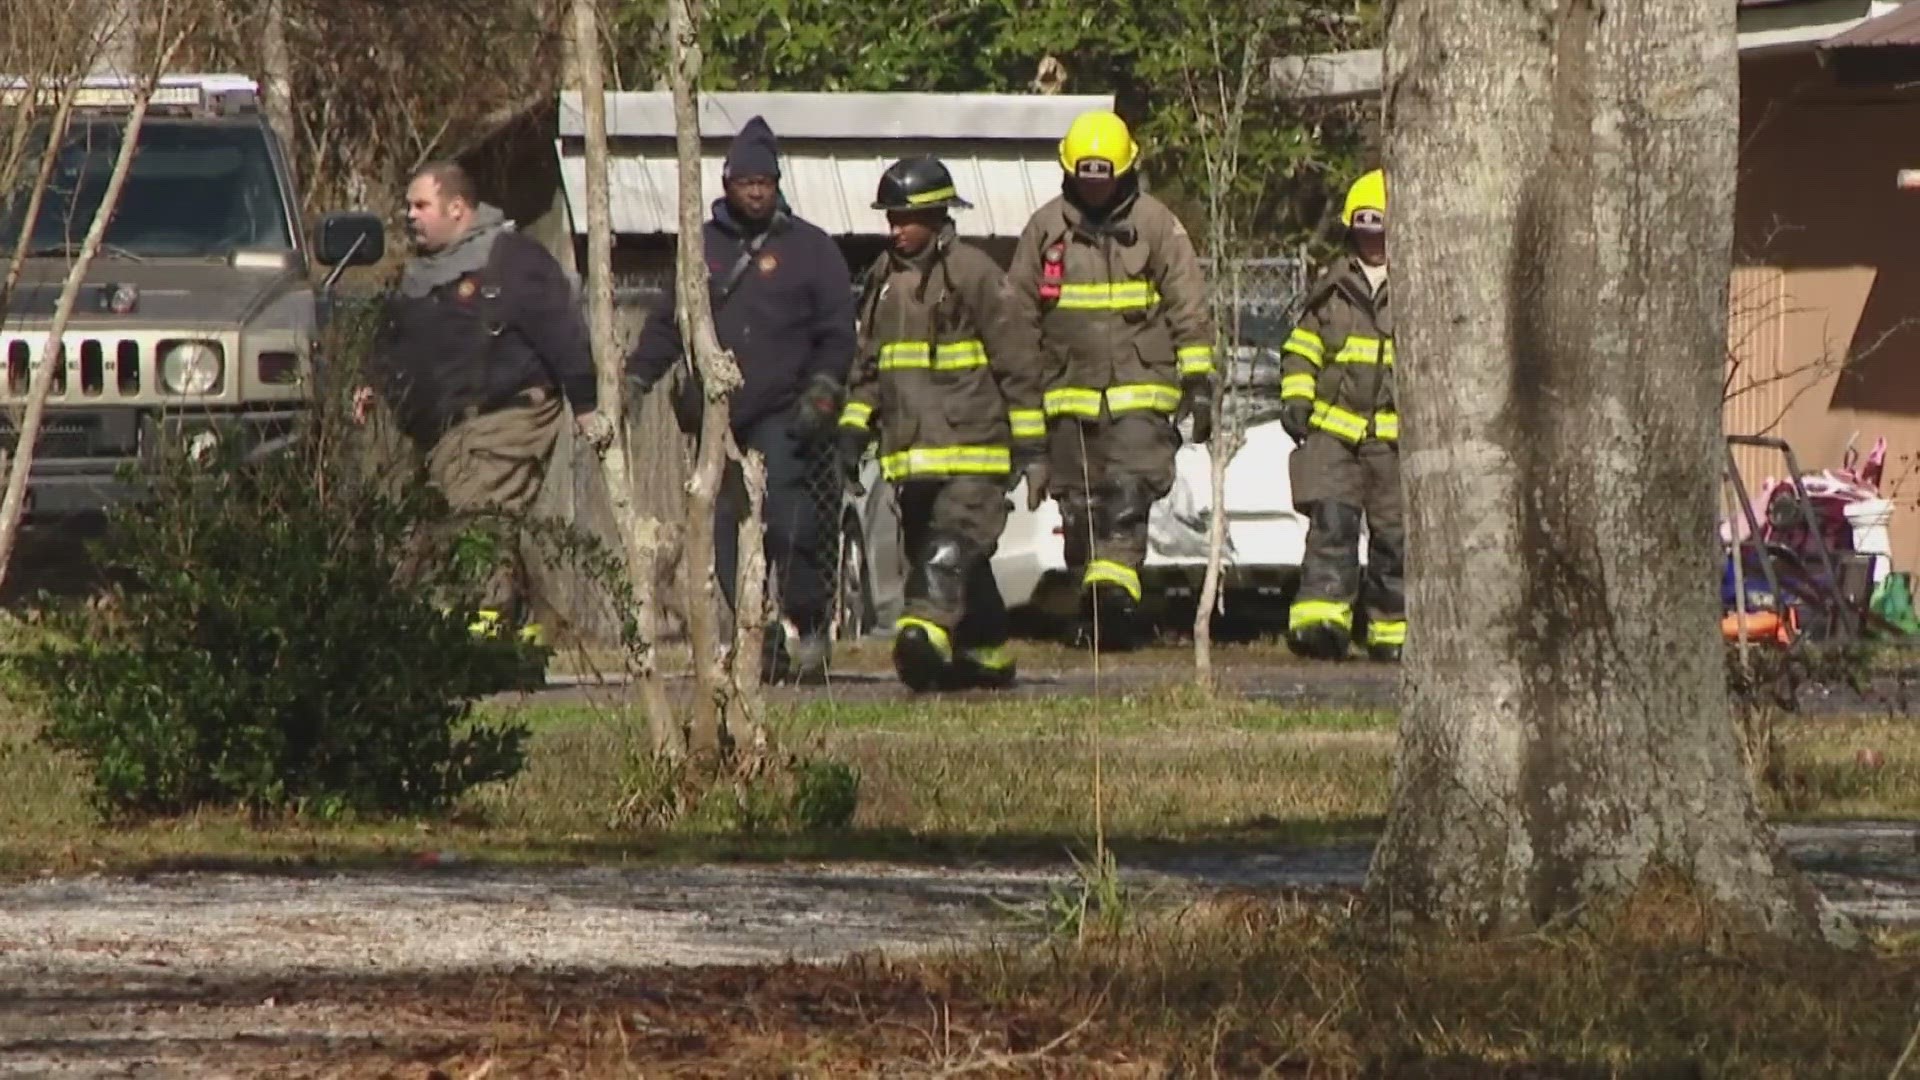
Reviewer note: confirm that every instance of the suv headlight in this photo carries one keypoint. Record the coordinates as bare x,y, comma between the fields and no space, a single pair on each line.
191,368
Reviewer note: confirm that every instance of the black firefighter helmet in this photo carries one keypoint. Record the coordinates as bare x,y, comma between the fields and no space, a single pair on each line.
918,183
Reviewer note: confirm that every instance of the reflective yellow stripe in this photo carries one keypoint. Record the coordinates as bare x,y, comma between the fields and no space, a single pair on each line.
1352,427
1358,349
1310,613
1141,397
1108,296
856,415
926,197
1195,360
916,355
1134,397
1073,401
1297,386
1028,423
1387,632
991,657
1103,572
1307,345
935,633
947,461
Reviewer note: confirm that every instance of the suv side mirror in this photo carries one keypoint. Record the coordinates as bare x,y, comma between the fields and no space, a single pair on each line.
349,239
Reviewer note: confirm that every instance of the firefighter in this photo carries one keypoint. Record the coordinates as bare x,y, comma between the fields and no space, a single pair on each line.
959,422
1337,398
1105,287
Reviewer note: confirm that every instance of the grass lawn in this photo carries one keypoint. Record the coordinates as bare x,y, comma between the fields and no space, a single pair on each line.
1002,778
1231,984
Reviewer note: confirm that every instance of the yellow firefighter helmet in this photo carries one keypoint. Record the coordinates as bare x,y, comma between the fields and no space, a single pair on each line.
1367,193
1097,137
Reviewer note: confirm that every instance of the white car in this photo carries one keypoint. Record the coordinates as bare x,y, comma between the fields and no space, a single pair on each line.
1266,536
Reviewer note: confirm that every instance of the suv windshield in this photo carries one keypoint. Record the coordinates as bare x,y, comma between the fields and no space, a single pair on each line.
195,189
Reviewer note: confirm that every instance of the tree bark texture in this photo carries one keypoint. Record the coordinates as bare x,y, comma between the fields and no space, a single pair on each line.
746,705
276,62
1562,181
719,377
641,536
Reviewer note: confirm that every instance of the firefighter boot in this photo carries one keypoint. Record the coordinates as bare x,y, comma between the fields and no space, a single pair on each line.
936,593
988,668
1109,616
922,654
1320,622
1386,654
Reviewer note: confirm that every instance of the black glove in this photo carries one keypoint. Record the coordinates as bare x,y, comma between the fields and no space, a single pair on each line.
818,411
1196,401
1030,464
1296,418
850,450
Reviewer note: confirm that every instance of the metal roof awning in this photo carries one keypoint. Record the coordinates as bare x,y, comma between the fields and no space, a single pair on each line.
1001,148
1772,28
1883,50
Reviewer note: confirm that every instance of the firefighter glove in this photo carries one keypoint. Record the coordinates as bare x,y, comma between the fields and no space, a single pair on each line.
1030,464
818,410
1296,419
1196,402
850,450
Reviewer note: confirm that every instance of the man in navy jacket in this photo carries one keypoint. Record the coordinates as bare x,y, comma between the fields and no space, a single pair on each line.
783,304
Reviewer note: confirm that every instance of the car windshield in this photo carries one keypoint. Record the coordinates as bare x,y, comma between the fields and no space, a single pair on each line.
193,190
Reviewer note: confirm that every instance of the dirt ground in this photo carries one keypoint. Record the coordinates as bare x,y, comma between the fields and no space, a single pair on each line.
218,974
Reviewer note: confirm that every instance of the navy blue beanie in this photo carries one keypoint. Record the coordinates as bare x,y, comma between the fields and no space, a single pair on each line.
754,152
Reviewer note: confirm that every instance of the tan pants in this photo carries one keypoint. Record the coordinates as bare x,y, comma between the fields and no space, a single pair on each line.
496,462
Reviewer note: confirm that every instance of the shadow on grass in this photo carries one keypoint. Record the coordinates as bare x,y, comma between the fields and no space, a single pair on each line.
323,850
1247,988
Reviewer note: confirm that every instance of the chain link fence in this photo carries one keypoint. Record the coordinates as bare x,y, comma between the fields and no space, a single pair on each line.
1255,304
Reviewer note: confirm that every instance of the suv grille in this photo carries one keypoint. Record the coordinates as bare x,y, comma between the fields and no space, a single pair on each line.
97,368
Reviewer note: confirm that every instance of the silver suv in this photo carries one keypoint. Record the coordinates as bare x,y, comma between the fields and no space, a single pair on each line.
198,316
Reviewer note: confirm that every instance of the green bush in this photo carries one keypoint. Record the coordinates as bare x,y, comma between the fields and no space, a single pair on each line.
289,633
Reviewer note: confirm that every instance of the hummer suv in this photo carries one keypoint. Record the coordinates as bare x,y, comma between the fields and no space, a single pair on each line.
198,316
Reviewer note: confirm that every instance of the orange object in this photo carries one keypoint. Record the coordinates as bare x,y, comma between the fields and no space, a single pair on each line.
1762,626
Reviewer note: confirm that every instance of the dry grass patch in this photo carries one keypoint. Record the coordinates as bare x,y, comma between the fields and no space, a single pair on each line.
1234,987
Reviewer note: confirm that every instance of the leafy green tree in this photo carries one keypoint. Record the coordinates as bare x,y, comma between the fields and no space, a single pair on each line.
1146,54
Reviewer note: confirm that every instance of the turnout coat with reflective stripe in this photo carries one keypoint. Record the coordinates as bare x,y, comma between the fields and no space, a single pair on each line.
1340,357
1130,319
936,371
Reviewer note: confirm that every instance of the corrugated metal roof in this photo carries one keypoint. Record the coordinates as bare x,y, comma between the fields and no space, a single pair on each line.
641,114
1901,26
833,148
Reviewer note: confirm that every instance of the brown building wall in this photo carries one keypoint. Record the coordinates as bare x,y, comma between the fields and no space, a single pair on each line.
1825,330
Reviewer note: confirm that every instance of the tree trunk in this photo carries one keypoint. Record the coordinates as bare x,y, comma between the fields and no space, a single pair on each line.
719,377
1223,109
1562,201
276,63
642,537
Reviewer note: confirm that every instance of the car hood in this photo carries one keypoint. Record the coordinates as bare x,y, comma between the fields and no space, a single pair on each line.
175,294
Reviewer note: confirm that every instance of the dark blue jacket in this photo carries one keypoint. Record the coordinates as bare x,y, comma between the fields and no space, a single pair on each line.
789,319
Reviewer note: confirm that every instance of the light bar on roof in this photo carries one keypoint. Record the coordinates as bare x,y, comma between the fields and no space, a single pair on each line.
120,96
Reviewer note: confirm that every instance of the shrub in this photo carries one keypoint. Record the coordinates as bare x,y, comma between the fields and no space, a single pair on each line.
291,633
804,796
